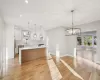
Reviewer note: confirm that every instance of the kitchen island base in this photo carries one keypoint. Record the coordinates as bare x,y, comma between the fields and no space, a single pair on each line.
31,54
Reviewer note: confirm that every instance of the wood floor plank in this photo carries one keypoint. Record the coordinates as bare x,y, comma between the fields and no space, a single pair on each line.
65,72
33,70
83,72
39,70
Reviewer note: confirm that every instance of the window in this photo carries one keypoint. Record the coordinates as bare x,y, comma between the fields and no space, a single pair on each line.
79,41
88,40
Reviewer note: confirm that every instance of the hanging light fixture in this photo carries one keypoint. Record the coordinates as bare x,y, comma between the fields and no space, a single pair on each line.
26,33
41,35
35,35
72,30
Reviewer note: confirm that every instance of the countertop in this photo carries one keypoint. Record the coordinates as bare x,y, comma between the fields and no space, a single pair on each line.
32,47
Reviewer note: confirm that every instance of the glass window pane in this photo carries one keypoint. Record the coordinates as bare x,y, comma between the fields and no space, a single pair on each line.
88,40
79,41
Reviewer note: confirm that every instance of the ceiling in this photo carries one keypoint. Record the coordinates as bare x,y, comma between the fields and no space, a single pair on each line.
49,13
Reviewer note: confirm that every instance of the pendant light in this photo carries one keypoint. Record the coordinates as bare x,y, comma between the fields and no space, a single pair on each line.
73,31
26,33
35,35
41,35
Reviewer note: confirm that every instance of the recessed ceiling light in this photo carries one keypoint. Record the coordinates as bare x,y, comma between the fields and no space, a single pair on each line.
20,15
26,1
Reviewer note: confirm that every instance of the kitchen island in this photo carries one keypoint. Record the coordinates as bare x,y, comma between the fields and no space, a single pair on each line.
31,53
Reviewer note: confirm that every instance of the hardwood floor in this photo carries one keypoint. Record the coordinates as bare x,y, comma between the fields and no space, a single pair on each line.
65,72
82,71
43,69
33,70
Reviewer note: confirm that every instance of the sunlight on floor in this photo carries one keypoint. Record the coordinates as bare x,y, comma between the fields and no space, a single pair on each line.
55,74
77,75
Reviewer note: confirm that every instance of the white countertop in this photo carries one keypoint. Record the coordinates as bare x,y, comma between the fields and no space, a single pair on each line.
32,47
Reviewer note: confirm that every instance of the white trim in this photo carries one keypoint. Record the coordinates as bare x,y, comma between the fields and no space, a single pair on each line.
67,55
53,53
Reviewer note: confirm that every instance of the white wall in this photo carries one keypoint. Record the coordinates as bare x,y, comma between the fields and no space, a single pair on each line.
93,26
2,45
10,41
57,38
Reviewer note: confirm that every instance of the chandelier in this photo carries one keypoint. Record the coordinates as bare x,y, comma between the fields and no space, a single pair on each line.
72,30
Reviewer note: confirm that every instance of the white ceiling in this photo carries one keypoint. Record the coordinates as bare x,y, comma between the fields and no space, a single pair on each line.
49,13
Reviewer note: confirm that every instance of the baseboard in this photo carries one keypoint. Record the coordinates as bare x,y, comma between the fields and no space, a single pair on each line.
53,53
66,55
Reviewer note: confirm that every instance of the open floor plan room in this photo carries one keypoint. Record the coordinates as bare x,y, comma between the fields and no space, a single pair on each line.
49,39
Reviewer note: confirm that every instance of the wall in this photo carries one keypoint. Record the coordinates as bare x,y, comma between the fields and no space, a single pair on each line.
93,33
1,36
2,46
93,26
57,39
9,41
6,44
